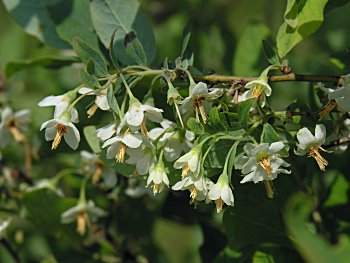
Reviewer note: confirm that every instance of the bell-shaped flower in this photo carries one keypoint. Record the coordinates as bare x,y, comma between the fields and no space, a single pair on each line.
143,157
221,192
158,177
61,127
257,89
100,100
83,213
3,226
176,142
198,100
262,163
120,143
308,143
13,124
106,132
190,162
61,104
137,115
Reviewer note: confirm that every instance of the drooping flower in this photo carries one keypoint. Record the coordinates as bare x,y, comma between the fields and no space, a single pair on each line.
82,213
311,144
221,192
199,186
143,157
262,163
120,143
257,89
176,141
137,115
13,125
198,100
190,162
158,177
61,104
100,100
61,127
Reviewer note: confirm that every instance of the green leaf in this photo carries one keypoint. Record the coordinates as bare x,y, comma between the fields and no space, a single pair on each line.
254,220
215,120
134,49
217,155
248,51
51,62
89,80
269,134
231,160
194,126
34,17
186,35
271,53
91,138
127,16
339,191
313,248
72,18
332,4
243,112
291,13
310,19
87,53
112,102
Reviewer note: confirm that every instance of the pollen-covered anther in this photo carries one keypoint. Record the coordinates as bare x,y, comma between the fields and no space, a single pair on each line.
15,132
269,188
144,128
120,156
202,111
322,162
258,88
91,111
98,172
265,164
185,171
61,129
193,193
157,188
219,203
81,223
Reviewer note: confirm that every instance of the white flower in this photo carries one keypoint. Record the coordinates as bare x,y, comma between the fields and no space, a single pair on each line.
13,124
143,157
190,162
119,144
62,126
221,192
176,142
82,213
100,100
158,177
198,100
137,115
258,88
61,104
197,185
263,163
312,144
3,226
46,184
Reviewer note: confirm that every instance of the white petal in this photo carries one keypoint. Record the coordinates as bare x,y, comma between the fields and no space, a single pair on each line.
154,116
132,140
85,90
48,124
111,141
101,101
155,133
50,101
50,133
200,89
275,147
215,192
22,116
305,138
135,116
112,151
60,108
106,132
320,133
248,177
250,165
72,137
172,150
227,195
74,115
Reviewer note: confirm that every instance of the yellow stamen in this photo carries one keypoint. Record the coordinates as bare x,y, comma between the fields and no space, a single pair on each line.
219,204
185,171
144,128
81,222
98,172
19,137
201,110
157,188
265,163
197,112
235,97
193,193
92,110
61,129
269,188
258,88
120,156
322,162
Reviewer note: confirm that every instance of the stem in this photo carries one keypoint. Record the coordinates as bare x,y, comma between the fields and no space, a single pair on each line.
279,78
28,157
10,250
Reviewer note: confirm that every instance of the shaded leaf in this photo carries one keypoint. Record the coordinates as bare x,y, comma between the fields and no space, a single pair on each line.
291,13
134,49
89,81
271,53
91,138
243,112
194,126
112,102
